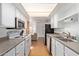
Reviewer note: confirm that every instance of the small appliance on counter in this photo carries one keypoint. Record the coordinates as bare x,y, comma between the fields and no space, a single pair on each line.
14,33
19,24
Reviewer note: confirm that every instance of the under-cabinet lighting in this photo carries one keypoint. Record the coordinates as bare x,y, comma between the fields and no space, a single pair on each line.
67,20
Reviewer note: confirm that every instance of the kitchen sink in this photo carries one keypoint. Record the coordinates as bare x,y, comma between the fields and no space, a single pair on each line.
66,39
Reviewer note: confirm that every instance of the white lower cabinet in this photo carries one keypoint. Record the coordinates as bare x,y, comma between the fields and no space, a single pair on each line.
48,43
27,45
53,46
20,49
59,49
10,53
69,52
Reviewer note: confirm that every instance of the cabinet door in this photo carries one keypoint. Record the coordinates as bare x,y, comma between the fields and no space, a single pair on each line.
69,52
18,13
61,24
20,49
10,53
48,43
59,49
53,46
54,21
8,15
27,45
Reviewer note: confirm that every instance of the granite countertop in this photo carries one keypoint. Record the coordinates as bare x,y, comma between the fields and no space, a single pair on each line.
7,44
74,46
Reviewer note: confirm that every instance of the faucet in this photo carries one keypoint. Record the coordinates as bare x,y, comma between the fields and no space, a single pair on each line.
67,34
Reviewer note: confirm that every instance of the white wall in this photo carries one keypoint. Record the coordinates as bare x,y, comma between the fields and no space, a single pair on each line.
40,29
32,25
38,25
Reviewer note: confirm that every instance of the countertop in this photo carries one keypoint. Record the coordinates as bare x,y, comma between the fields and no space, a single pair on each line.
7,44
74,46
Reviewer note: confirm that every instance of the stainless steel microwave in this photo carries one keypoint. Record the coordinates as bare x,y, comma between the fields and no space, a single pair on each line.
19,24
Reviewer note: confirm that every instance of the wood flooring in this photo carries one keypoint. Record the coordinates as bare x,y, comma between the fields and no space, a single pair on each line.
38,48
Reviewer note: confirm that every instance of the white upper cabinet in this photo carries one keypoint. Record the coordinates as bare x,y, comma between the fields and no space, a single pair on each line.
54,23
19,15
67,10
8,15
22,17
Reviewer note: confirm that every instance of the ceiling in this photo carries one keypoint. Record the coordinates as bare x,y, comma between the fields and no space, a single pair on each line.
39,9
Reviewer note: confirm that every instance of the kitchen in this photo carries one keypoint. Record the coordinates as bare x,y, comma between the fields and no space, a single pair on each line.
55,25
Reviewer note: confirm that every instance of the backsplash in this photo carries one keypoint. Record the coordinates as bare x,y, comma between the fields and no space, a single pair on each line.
73,28
11,33
3,32
70,24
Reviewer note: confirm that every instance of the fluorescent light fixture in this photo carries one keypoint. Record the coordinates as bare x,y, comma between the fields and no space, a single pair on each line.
39,9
